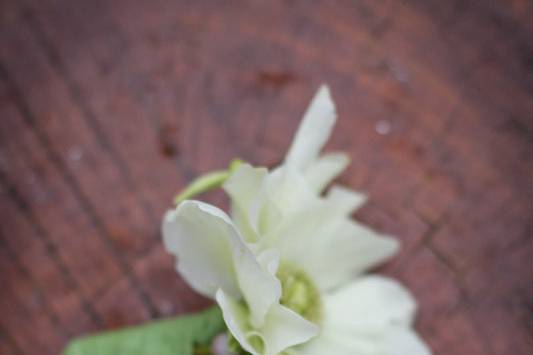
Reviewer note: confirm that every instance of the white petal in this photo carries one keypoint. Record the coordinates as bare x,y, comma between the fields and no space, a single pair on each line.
235,317
244,188
345,199
212,255
368,304
326,244
244,183
285,328
285,193
314,130
350,250
260,287
329,344
293,233
394,341
270,215
326,168
370,316
404,341
269,260
202,237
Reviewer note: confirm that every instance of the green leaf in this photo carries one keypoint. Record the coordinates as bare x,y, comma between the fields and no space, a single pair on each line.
165,337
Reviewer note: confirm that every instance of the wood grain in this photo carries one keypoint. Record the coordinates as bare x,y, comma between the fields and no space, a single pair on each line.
109,108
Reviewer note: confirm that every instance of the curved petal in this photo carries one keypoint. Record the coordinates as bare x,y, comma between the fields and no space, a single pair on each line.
349,250
269,260
330,344
371,316
244,187
404,341
285,328
288,188
326,244
294,232
395,341
259,286
235,316
285,192
202,238
282,329
314,130
326,168
347,201
212,255
368,304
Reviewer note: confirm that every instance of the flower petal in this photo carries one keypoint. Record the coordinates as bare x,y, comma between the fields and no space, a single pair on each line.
326,168
404,341
329,344
235,316
289,190
259,285
212,255
285,192
244,188
346,200
269,260
371,316
367,304
202,237
326,244
395,341
285,328
314,130
349,250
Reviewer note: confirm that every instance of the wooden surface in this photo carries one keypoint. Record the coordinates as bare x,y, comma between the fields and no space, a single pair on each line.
108,108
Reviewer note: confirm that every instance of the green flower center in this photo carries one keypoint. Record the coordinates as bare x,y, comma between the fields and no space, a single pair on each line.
299,293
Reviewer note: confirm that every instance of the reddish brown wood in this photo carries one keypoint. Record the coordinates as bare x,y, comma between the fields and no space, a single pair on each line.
108,108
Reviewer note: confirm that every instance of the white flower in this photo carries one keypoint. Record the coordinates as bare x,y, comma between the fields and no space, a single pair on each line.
315,236
216,262
295,258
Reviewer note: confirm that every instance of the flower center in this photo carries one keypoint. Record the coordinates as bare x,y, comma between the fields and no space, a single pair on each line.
299,293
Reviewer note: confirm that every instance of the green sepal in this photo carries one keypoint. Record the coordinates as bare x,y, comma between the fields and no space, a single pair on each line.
181,335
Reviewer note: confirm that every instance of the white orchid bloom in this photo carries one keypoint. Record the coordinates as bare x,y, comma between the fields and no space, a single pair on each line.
294,258
323,253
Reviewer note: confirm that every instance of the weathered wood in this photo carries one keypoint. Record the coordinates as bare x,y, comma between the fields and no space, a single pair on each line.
108,108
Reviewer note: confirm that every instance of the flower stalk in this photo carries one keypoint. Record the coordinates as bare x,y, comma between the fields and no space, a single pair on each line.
207,182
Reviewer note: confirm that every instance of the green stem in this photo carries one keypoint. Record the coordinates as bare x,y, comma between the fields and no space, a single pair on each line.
207,182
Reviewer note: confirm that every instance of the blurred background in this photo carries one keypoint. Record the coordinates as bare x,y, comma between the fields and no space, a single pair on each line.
109,108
